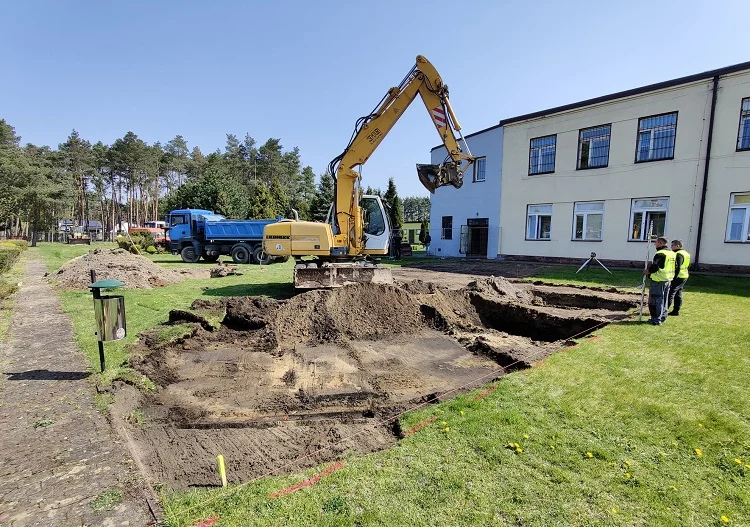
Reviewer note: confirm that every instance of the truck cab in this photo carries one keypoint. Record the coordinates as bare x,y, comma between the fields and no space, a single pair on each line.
199,233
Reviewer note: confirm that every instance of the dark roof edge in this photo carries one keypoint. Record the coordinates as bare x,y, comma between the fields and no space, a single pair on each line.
632,92
470,135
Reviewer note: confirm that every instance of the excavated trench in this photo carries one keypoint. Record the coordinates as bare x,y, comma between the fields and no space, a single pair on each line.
282,385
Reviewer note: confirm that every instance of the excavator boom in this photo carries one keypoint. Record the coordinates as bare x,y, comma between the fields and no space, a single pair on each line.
359,228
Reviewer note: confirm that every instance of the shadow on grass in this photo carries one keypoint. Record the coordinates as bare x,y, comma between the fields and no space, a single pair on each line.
47,375
278,290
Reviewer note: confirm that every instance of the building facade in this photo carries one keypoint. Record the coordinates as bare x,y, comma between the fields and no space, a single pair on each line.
597,176
465,222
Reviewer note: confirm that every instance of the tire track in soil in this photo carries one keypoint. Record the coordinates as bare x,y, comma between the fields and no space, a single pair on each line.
59,453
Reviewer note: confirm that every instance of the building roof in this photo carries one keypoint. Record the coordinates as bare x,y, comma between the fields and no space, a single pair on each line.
618,95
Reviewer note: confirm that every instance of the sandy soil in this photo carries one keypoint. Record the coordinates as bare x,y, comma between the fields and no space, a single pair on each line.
283,385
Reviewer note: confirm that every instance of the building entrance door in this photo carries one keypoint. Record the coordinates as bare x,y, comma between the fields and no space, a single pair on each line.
474,237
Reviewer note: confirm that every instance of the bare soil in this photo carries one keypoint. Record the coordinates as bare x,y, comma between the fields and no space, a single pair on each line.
137,272
285,384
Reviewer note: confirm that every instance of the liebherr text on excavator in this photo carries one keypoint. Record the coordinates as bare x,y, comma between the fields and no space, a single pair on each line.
345,248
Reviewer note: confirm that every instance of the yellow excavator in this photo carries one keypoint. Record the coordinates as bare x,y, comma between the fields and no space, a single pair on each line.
345,249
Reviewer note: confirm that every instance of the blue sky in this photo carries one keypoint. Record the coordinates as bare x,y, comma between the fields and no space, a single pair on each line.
304,71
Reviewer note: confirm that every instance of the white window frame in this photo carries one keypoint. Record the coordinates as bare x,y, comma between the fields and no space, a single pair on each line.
584,213
647,211
483,161
652,133
537,234
745,234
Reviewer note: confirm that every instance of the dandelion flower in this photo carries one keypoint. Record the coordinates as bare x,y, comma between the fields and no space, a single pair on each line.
447,429
589,454
628,475
614,511
519,449
462,412
700,425
443,423
552,447
738,461
698,452
526,436
747,467
626,463
724,518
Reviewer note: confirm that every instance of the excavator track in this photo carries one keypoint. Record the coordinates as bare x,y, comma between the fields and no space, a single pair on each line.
329,275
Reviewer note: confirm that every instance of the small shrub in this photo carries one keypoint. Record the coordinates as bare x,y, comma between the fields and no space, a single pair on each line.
9,253
6,289
289,378
151,249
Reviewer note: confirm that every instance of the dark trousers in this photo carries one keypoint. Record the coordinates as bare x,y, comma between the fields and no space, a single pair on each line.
675,294
658,296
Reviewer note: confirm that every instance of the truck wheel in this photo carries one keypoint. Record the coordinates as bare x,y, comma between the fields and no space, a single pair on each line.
241,254
210,258
189,255
259,256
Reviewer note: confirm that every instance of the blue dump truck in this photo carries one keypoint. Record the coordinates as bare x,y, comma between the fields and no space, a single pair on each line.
197,233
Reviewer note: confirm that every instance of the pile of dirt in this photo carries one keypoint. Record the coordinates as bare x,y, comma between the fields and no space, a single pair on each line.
136,271
278,384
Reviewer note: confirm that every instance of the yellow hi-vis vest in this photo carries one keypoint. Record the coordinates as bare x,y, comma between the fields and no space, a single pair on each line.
683,273
667,273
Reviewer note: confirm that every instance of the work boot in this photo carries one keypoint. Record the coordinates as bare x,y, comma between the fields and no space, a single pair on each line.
674,314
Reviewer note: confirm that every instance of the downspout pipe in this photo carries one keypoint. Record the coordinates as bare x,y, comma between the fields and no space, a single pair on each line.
705,170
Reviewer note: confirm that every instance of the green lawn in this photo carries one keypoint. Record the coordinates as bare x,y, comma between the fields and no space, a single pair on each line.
663,412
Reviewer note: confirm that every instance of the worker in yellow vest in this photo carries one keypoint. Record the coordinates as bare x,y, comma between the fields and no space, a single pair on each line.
682,262
661,273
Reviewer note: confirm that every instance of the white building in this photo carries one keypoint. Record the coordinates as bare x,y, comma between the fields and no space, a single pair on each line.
466,221
594,175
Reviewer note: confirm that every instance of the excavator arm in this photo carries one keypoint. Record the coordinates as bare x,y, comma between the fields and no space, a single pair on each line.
342,251
422,80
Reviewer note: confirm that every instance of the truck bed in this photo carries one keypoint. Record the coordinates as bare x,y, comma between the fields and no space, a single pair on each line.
235,229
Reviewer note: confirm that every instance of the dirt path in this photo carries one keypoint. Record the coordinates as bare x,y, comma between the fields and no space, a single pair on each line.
60,463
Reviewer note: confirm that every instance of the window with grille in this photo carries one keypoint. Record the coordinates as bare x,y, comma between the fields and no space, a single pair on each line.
588,218
480,167
542,155
644,212
538,222
743,136
738,224
447,227
593,147
656,136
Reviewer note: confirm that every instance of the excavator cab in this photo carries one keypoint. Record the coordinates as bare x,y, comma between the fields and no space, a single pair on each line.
434,176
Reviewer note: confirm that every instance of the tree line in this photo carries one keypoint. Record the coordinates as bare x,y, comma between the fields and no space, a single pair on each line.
131,181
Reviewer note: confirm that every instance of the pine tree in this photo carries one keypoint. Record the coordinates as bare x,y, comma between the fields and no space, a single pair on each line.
395,208
322,201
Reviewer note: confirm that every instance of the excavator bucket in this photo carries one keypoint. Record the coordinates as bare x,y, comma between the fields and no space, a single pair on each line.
434,176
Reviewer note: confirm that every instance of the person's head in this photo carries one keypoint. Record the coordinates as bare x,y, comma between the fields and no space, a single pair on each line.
661,241
676,245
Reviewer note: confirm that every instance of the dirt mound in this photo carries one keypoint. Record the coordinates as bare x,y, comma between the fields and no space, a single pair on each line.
361,311
136,271
499,286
